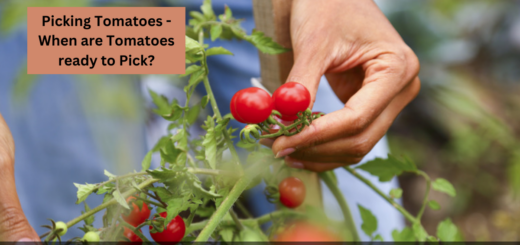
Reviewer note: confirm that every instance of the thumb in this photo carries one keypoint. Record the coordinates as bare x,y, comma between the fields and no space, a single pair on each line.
14,227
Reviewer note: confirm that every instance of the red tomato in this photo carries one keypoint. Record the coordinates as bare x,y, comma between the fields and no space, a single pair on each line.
251,105
291,98
292,192
234,110
131,235
173,232
306,232
136,216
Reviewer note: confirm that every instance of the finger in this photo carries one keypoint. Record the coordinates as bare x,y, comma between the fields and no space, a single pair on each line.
312,166
352,147
266,142
309,66
13,224
383,81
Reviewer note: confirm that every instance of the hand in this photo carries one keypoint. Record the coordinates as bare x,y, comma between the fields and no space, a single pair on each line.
368,66
13,224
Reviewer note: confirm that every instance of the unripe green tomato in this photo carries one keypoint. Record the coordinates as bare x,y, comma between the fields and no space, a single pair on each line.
63,226
90,236
249,235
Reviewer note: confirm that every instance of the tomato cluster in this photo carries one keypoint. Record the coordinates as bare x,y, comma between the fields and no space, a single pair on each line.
172,233
254,105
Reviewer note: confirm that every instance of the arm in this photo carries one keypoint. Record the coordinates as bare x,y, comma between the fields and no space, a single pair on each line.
368,66
13,224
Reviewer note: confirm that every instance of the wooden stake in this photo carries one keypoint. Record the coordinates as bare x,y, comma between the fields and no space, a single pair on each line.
273,18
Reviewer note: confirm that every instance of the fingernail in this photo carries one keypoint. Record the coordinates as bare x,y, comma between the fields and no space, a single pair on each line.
25,241
294,164
284,152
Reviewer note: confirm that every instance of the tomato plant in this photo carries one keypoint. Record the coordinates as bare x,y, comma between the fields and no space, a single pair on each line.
251,105
201,177
292,192
173,232
137,215
291,98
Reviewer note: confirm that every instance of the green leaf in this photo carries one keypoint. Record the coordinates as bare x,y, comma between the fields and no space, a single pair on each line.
119,198
406,235
207,10
174,208
378,237
90,219
196,77
145,164
419,232
216,30
192,45
204,101
386,169
442,185
369,225
109,175
210,147
191,69
447,231
265,44
84,191
217,51
228,13
396,193
434,205
192,114
163,107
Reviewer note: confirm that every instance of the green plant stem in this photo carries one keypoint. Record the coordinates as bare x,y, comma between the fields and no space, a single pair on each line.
189,220
347,214
106,204
228,202
249,222
236,220
396,205
136,230
426,195
243,209
151,202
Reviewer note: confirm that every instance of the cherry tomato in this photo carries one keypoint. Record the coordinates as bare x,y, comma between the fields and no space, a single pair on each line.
61,225
131,235
292,192
251,105
136,216
173,232
90,236
233,109
291,98
306,232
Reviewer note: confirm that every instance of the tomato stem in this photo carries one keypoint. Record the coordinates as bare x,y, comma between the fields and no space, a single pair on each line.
396,205
347,214
426,195
136,230
231,198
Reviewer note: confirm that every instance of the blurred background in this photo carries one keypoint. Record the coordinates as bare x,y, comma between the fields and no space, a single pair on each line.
463,126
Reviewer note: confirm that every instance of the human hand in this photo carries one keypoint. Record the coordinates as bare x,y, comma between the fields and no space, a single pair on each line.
368,66
13,224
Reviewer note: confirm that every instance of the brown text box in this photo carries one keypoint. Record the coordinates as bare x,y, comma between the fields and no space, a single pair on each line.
143,33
